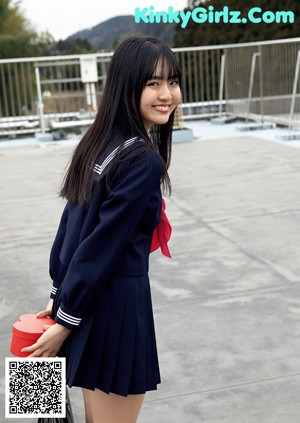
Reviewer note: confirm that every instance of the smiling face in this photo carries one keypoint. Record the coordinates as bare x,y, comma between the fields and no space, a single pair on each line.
159,98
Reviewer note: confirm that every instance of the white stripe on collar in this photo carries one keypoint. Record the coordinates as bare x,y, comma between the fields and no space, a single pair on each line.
100,168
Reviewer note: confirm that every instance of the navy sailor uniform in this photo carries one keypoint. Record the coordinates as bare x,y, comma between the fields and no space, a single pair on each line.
99,265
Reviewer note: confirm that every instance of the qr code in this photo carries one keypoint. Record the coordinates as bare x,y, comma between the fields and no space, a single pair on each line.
35,387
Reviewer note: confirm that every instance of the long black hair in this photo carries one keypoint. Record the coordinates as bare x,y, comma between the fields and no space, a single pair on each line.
132,65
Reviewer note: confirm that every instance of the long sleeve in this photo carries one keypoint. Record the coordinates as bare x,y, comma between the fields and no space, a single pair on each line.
55,268
119,215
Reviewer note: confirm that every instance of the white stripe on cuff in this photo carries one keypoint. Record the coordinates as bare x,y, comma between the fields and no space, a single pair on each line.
53,290
68,318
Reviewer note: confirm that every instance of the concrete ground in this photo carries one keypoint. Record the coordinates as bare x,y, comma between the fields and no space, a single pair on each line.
227,305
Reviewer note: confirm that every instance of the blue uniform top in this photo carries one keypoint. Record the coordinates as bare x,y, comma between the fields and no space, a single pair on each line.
110,236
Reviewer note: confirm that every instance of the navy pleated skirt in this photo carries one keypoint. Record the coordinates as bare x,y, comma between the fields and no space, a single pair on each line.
114,347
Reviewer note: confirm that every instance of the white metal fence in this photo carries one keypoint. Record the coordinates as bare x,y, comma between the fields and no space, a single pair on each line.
48,93
257,81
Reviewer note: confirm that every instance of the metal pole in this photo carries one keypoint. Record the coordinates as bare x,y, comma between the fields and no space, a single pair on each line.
40,99
261,86
253,64
222,74
294,89
88,95
93,97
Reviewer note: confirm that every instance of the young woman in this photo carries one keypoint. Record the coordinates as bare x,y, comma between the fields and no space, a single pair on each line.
100,298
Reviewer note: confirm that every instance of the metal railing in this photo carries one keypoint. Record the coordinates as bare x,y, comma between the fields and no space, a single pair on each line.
262,81
47,93
257,81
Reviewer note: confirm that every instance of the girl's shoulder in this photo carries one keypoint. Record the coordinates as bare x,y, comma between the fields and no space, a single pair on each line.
142,153
133,151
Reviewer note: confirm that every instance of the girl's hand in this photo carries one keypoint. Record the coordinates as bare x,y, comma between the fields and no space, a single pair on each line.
47,311
49,344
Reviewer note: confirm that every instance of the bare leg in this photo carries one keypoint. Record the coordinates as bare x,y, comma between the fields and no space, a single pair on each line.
87,405
114,408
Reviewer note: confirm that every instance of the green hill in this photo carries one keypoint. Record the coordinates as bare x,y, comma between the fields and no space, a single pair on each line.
106,35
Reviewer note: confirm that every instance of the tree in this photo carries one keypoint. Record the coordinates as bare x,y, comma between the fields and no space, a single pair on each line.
73,46
17,37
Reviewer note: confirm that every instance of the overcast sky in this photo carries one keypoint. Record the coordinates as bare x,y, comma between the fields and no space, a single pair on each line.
64,17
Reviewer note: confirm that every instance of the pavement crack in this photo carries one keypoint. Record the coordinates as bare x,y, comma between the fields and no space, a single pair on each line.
223,388
247,253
